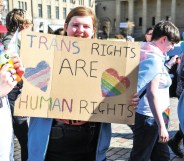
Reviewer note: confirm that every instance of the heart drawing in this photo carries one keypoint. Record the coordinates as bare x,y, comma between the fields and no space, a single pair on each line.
112,84
39,76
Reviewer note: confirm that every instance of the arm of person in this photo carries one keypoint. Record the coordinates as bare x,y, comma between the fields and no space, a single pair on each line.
153,95
171,62
135,100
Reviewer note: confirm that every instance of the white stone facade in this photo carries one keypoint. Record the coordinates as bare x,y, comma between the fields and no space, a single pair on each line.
42,23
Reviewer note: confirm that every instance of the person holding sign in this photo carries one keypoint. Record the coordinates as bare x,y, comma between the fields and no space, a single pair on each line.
69,140
7,83
150,133
16,21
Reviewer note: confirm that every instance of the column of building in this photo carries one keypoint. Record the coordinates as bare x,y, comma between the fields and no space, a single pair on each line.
53,13
67,7
60,9
144,12
44,9
130,16
10,5
45,3
173,10
118,7
130,13
131,10
144,16
158,11
1,4
34,15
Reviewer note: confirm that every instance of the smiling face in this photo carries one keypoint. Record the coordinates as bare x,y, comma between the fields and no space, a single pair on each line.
80,26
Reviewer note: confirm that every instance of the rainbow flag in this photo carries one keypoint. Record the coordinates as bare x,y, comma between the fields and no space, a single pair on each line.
165,115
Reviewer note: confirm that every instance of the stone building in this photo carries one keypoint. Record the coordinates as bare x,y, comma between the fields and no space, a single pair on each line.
3,28
48,15
141,13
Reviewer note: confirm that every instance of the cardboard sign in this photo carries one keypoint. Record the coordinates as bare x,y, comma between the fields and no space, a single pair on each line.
77,78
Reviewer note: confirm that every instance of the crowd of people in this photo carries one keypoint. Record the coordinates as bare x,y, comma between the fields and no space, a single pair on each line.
57,139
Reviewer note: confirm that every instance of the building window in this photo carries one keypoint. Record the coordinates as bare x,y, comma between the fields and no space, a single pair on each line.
64,0
57,12
19,4
25,5
89,3
39,10
48,11
64,13
140,21
71,1
153,21
22,5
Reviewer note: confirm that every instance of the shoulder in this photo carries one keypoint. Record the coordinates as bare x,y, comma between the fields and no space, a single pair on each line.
6,39
150,54
153,63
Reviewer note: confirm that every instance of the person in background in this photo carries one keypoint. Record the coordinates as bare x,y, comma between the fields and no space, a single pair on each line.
18,19
7,83
59,31
148,34
172,69
150,133
69,140
181,114
103,34
175,142
119,36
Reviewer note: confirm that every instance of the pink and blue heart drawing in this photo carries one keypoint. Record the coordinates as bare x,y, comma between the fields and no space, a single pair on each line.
39,76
